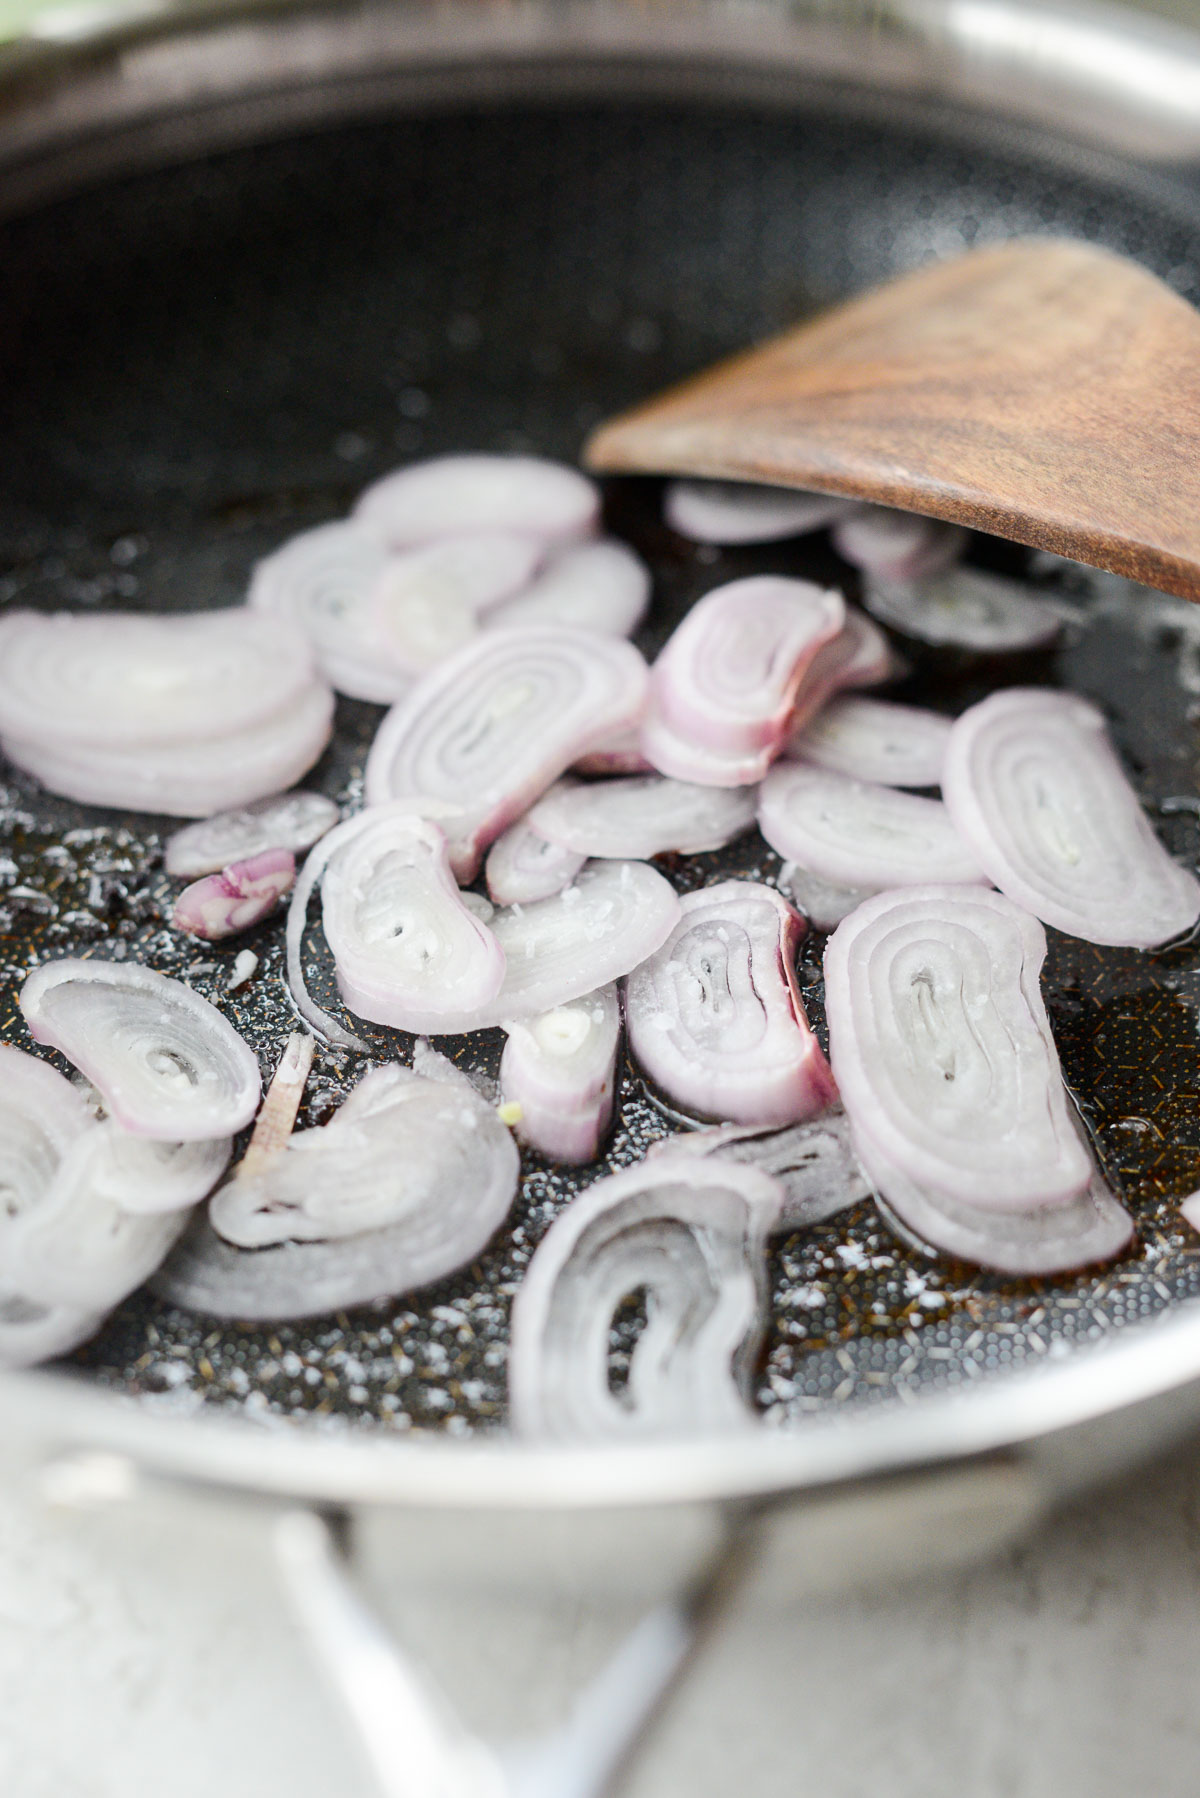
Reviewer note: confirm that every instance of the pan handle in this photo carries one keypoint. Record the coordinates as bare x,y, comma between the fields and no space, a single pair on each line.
406,1729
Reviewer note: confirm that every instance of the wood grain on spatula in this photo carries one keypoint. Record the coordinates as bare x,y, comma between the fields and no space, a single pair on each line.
1045,391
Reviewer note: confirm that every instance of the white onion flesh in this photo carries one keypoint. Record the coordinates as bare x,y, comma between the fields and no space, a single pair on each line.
523,866
41,1117
140,1174
418,1147
858,834
942,1049
32,1332
429,601
452,496
409,953
823,902
715,1016
1190,1210
859,656
814,1162
876,740
897,546
292,821
642,815
1035,789
965,608
731,512
691,1235
559,1070
602,586
167,1063
494,725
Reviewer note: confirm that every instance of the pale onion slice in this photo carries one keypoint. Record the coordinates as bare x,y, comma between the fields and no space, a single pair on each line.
815,1162
730,512
241,895
642,815
858,834
688,1234
522,866
1190,1209
942,1049
1035,789
965,608
1092,1226
559,1071
165,1061
823,902
417,1146
41,1116
31,1331
409,953
323,581
139,1174
684,758
427,602
121,680
859,656
602,586
620,753
456,496
728,676
897,546
78,1246
715,1016
493,726
292,821
188,780
876,740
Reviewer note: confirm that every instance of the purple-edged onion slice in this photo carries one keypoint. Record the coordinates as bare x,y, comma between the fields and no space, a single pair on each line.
1035,789
858,834
729,512
241,895
409,953
823,902
715,1016
558,1070
602,586
428,602
620,753
897,546
642,815
942,1048
691,1236
455,496
292,821
859,656
814,1162
165,1061
876,740
523,866
407,1183
493,726
965,608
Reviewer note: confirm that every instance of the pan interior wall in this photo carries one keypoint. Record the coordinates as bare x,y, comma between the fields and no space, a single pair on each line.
198,362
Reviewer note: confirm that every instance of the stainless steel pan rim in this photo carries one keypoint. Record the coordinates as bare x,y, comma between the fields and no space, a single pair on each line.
90,89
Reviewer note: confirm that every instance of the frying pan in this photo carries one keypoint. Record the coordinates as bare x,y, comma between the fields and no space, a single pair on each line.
252,258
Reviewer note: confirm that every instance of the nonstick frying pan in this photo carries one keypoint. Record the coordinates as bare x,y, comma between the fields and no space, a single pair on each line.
251,260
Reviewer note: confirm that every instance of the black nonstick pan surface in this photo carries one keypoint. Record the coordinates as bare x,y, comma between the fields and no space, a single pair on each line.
197,362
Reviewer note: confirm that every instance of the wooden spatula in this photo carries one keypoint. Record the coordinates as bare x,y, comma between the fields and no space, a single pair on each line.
1044,391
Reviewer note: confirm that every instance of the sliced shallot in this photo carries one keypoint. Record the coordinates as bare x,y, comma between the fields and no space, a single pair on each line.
559,1070
428,602
823,902
41,1116
858,834
166,1062
690,1235
642,815
31,1331
876,740
814,1162
715,1016
523,866
453,496
139,1174
493,726
965,608
859,656
897,546
1035,789
292,821
729,512
620,753
602,586
243,894
942,1049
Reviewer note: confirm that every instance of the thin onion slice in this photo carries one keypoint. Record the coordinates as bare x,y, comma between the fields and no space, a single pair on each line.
523,866
859,656
814,1162
409,953
1035,789
965,608
559,1071
715,1016
493,726
857,834
691,1236
620,753
823,902
241,895
642,815
453,496
1190,1210
139,1174
942,1049
897,546
875,740
31,1332
418,1147
428,601
602,586
41,1116
292,821
731,512
166,1062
